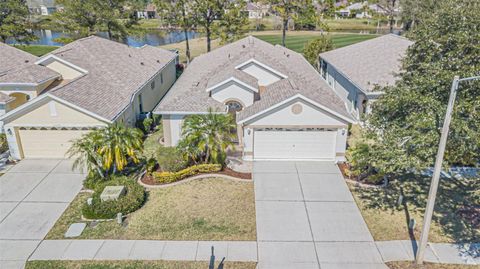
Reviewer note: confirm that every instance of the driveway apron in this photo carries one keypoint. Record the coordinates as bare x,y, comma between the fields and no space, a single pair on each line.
33,195
307,218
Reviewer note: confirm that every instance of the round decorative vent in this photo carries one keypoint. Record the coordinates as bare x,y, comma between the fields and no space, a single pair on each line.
297,109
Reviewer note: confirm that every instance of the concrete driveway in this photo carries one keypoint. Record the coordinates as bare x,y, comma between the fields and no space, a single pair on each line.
33,195
307,218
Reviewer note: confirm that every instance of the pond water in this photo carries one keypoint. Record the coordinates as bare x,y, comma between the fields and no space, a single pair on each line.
151,37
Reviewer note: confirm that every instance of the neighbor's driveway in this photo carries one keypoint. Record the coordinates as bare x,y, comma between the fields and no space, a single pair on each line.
33,195
307,218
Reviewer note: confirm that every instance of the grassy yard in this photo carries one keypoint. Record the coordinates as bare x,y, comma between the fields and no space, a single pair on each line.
208,209
411,265
295,40
393,224
37,50
133,265
152,144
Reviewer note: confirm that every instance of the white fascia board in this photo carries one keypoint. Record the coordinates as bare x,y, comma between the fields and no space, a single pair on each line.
55,125
186,112
28,84
262,65
299,96
230,80
48,95
56,58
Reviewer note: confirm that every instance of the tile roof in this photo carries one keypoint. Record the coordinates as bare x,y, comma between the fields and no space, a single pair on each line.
189,94
369,63
115,73
18,66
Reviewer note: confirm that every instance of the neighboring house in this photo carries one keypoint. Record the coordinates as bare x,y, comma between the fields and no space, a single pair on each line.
150,12
20,78
355,72
42,7
361,10
102,82
282,107
254,11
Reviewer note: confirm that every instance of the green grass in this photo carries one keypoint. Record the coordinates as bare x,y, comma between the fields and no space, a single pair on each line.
37,50
134,265
297,42
152,144
354,24
207,209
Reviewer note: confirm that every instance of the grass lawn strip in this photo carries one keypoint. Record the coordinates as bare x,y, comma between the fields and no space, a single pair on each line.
151,144
205,209
411,265
37,50
133,265
393,224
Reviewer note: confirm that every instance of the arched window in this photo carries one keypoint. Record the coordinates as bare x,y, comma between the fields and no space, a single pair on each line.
234,106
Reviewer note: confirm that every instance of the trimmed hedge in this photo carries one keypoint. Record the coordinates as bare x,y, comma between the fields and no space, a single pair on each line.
131,201
169,177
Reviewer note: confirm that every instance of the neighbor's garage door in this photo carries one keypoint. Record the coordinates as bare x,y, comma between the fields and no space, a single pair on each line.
294,145
47,143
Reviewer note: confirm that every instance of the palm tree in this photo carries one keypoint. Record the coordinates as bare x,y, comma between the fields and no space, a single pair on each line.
118,144
107,150
85,152
209,136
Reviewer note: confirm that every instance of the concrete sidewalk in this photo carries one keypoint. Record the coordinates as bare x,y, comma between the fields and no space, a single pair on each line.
241,251
404,250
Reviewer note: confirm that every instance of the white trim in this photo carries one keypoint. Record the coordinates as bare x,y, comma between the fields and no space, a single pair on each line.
186,112
229,80
54,126
51,56
240,66
43,96
293,98
17,84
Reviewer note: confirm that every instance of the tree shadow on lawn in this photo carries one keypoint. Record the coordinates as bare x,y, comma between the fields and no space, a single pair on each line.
457,206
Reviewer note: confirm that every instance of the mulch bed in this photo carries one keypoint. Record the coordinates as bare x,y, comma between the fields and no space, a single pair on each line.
343,168
149,180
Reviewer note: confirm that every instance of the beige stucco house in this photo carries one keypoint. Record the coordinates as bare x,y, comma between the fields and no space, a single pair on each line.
284,110
100,82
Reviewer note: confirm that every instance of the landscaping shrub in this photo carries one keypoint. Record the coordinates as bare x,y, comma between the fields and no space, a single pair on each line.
170,159
169,177
3,143
131,201
150,166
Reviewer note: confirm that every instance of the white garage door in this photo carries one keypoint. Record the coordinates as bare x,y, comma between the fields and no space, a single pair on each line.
294,145
47,143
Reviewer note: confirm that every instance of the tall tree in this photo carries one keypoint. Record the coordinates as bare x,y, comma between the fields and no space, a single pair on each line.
206,12
412,11
177,13
14,21
288,10
234,23
314,47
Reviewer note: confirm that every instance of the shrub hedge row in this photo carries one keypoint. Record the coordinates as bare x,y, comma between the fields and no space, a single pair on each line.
169,177
131,201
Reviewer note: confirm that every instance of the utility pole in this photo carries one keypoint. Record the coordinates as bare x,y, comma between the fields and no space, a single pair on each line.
437,170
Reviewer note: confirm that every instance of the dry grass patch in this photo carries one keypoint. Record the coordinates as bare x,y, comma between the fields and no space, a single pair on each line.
134,265
197,46
206,209
389,224
411,265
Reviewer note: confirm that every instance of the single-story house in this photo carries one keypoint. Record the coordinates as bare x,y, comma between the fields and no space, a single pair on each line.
20,78
42,7
356,72
254,11
101,82
150,12
283,109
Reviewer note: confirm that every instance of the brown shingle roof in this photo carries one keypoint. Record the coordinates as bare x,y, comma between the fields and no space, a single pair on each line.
115,72
189,92
369,63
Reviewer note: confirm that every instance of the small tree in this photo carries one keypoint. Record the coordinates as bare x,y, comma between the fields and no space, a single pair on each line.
207,137
234,24
314,47
205,12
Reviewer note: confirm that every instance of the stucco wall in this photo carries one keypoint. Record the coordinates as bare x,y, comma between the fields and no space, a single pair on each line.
264,76
66,71
172,130
233,91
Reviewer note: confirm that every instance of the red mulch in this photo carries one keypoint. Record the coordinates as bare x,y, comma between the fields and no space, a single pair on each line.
343,168
149,180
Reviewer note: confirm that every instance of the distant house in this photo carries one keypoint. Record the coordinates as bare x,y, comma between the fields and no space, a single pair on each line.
150,12
361,10
355,72
96,82
42,7
255,11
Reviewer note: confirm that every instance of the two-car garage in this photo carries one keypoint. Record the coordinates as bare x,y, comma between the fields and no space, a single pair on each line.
308,144
47,143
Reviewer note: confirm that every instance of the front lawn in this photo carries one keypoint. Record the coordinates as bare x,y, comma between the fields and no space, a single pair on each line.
37,50
133,265
207,209
151,145
411,265
392,224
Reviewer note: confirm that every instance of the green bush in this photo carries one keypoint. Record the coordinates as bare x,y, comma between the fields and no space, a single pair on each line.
3,143
169,177
147,124
170,159
131,201
150,166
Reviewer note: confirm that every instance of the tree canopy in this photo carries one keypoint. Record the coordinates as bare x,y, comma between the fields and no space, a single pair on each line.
14,21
